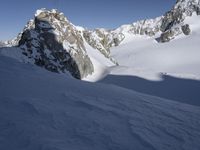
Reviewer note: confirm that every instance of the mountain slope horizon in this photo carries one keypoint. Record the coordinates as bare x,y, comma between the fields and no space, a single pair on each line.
44,110
162,29
135,87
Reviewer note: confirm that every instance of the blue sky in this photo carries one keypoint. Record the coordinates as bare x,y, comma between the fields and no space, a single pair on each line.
14,14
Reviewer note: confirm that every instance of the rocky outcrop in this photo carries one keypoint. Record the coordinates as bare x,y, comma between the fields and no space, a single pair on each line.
169,35
2,44
52,42
147,27
173,21
103,40
98,39
170,19
186,29
168,26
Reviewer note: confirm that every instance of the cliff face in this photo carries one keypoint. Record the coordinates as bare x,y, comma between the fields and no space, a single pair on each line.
173,21
103,40
52,42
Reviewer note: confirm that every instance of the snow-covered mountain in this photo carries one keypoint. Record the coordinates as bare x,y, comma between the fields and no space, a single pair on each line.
179,56
169,25
54,43
68,51
44,110
51,41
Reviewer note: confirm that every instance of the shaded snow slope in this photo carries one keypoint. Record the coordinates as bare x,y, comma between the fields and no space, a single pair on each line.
40,110
173,88
169,70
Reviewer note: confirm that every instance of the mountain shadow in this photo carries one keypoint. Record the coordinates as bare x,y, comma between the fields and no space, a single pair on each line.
177,89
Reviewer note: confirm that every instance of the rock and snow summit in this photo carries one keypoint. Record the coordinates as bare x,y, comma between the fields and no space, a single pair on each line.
44,110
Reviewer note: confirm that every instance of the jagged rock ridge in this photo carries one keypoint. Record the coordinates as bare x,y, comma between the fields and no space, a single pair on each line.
103,40
52,42
173,21
168,26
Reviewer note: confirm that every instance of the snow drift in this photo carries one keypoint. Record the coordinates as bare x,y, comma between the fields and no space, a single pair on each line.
48,111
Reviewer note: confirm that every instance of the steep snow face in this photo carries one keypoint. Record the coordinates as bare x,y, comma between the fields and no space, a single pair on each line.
143,56
43,110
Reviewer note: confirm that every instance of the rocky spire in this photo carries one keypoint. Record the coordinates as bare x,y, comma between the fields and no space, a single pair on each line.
52,42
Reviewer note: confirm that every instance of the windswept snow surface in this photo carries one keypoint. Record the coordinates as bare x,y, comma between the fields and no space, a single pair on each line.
40,110
142,56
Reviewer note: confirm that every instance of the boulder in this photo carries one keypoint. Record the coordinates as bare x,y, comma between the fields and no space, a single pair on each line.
186,29
169,35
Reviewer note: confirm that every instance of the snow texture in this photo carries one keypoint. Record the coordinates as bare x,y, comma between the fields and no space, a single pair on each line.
40,110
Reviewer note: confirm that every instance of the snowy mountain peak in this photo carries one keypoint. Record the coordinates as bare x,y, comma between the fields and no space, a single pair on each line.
53,14
187,4
52,42
166,27
41,110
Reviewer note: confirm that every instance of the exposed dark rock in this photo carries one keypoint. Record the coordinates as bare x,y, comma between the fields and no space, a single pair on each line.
186,29
198,10
168,35
2,44
52,42
103,40
171,18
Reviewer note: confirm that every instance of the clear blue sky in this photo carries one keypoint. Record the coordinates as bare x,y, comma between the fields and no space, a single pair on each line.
14,14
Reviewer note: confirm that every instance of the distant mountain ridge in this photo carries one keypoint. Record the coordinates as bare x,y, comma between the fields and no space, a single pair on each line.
54,43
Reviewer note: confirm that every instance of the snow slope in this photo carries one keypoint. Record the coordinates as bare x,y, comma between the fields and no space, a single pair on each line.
100,62
40,110
168,70
142,56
